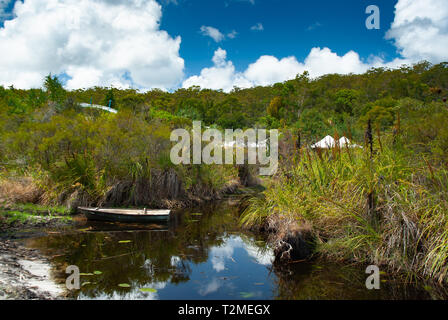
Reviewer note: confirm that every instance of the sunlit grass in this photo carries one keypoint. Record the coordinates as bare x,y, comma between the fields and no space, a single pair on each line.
406,230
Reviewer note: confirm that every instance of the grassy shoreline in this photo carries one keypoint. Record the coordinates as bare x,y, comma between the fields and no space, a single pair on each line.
20,217
390,210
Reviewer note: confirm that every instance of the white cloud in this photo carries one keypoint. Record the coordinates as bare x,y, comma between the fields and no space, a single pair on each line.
232,35
420,29
213,33
257,27
221,76
269,69
217,35
119,42
94,42
420,32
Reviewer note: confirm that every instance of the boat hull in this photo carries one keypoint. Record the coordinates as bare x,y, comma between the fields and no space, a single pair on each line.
117,217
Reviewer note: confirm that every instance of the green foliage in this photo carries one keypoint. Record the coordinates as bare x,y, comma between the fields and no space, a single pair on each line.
312,123
131,101
109,99
274,107
381,117
268,122
407,227
346,100
54,88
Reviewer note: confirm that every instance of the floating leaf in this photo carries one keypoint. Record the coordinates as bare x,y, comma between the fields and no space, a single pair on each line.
86,274
148,290
193,221
97,272
196,214
124,285
124,241
85,284
247,295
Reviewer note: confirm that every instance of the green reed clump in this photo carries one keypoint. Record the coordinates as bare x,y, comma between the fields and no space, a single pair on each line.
407,229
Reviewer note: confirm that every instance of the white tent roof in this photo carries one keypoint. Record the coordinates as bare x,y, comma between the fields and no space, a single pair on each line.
328,142
325,143
88,105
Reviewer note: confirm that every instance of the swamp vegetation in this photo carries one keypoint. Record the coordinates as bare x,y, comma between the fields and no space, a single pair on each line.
384,204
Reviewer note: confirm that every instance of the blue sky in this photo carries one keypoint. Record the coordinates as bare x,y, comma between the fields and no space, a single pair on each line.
216,44
291,27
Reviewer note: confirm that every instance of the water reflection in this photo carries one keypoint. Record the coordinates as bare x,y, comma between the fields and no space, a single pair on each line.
200,254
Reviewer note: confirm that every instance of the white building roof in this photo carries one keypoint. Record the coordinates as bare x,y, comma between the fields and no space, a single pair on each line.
329,142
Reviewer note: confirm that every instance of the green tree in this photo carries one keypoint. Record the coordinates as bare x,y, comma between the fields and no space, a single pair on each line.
312,123
54,88
273,110
381,117
346,100
109,98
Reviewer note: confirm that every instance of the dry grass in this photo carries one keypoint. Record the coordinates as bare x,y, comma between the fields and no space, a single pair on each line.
19,190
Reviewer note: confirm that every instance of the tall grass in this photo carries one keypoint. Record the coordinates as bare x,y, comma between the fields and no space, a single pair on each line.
407,227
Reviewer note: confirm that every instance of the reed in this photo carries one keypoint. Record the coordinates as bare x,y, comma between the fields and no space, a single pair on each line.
406,195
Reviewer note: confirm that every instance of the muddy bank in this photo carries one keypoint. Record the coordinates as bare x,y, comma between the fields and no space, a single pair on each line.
26,274
15,224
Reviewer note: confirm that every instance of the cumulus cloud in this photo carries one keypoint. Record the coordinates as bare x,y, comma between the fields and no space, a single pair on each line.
119,42
221,76
269,69
93,42
419,31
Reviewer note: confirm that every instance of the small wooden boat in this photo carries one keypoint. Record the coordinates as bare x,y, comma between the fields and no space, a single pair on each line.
125,215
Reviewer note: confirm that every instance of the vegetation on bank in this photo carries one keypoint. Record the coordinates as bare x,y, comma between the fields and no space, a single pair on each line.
28,215
386,206
11,218
56,153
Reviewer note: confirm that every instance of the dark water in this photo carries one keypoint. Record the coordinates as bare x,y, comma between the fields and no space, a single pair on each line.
200,254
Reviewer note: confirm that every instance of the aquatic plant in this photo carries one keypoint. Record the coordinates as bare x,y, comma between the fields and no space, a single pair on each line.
385,204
